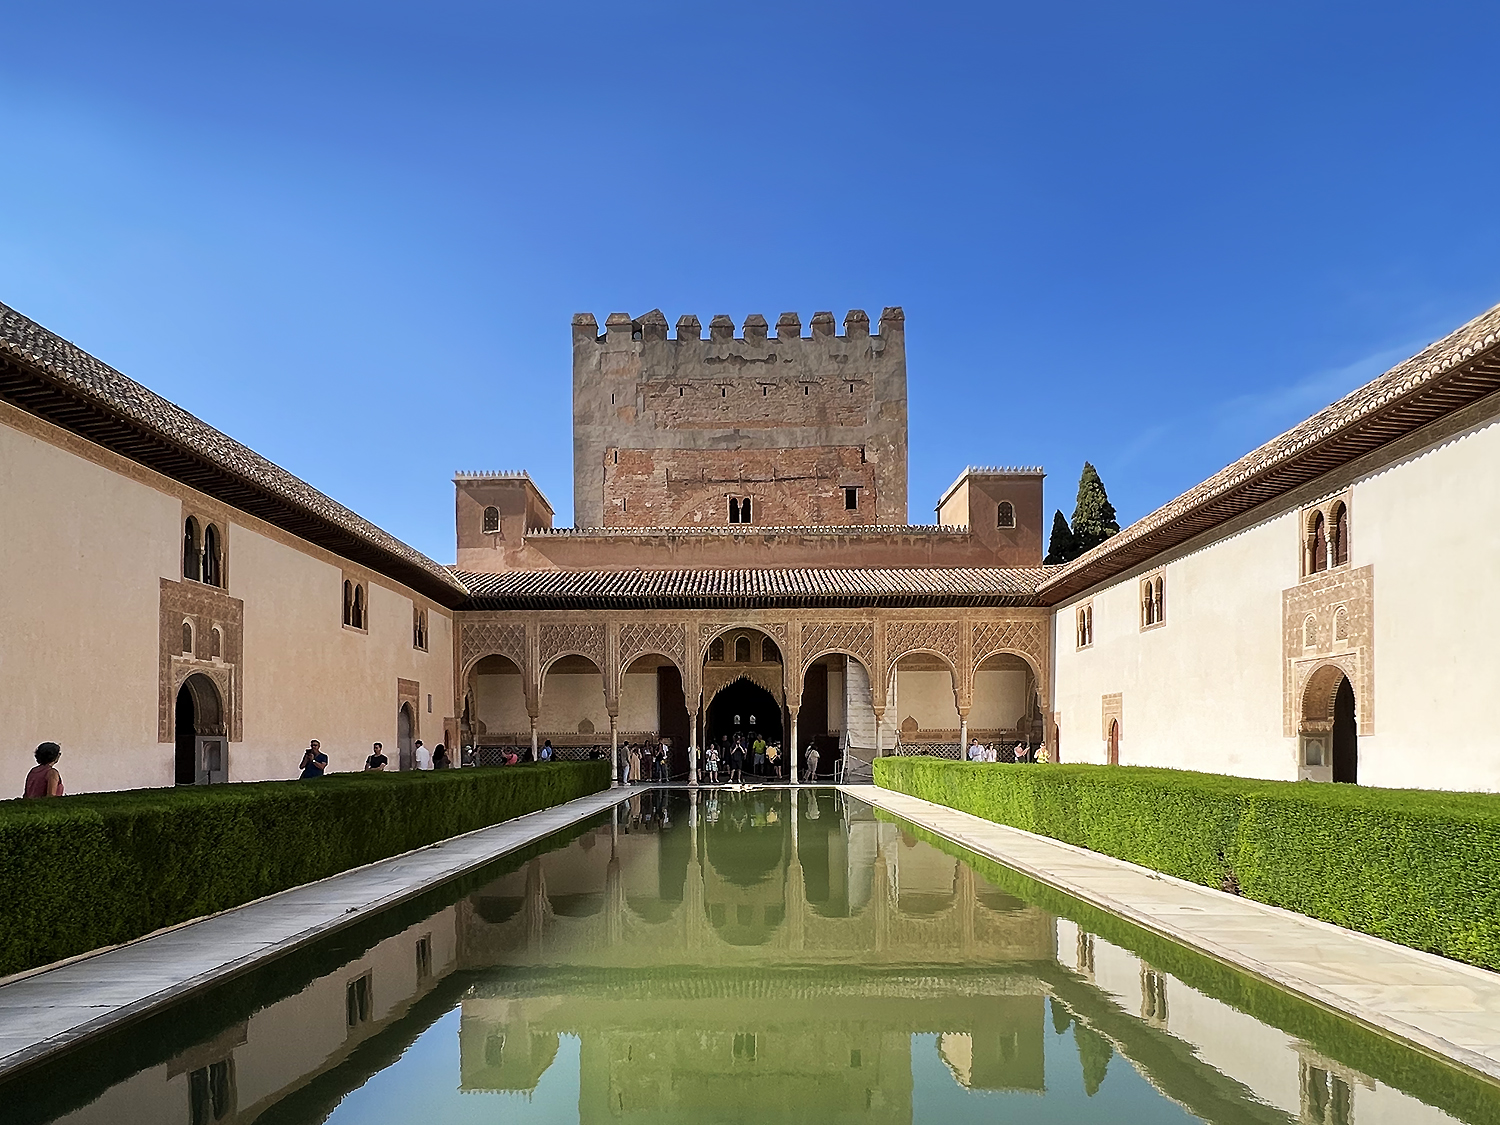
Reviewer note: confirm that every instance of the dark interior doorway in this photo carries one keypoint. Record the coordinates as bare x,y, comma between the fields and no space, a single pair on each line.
673,720
1345,735
405,754
202,751
734,708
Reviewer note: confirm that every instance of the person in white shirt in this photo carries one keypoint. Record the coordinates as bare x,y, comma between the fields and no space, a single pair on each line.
423,756
976,751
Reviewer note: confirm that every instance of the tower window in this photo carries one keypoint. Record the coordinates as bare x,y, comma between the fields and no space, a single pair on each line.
739,510
851,499
187,638
192,551
212,574
1007,515
804,388
679,392
723,392
491,520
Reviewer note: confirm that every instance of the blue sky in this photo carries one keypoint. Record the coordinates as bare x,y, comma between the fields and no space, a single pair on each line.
352,234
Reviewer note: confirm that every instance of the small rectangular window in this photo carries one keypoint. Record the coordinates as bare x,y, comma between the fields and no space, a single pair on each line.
851,499
357,1001
424,957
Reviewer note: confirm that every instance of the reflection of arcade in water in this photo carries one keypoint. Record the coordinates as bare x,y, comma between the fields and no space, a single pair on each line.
759,955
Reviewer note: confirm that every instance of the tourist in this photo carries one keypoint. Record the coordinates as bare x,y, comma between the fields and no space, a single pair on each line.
43,780
440,760
314,761
812,760
510,757
758,756
773,757
635,764
547,750
422,755
737,761
711,763
664,760
624,763
377,760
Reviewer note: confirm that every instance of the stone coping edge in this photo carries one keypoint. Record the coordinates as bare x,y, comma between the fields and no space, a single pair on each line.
577,809
1373,1019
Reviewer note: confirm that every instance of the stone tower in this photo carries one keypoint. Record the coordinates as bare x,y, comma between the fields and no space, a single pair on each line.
773,431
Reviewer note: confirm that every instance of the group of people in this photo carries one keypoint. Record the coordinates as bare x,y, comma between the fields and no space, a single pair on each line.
315,761
642,762
1020,752
730,756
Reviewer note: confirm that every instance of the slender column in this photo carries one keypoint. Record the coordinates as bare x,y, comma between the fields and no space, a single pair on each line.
792,754
533,737
693,745
879,742
614,748
963,736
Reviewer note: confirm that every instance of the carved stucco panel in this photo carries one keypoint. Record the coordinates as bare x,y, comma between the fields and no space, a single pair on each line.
661,637
486,638
854,637
581,639
903,637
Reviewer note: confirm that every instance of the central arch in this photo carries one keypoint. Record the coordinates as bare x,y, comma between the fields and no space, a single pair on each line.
743,708
202,751
1329,720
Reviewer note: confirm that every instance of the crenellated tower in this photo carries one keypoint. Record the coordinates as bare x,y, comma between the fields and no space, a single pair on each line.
765,430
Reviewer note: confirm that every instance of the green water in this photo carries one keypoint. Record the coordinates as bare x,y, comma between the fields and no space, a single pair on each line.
729,956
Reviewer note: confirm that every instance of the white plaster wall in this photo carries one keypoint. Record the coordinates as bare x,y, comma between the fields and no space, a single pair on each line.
81,558
82,550
501,703
1202,691
926,697
568,698
1430,526
999,699
308,676
639,702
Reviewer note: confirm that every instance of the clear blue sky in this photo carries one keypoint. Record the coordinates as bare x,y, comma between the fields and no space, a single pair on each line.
351,235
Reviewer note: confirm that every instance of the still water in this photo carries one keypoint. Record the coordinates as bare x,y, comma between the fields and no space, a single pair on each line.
745,956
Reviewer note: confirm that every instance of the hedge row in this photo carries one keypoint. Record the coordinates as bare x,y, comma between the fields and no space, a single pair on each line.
1413,866
93,870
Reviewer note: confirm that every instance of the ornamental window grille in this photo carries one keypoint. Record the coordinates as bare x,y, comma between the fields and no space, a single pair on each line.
491,520
1007,515
716,650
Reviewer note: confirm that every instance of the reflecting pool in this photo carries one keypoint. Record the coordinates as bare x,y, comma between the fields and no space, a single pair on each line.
763,955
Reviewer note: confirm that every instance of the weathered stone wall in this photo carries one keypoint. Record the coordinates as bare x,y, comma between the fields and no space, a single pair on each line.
666,431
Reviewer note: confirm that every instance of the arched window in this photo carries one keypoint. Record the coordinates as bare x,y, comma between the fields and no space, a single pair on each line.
734,509
716,650
187,638
491,519
769,653
745,510
211,556
1340,543
419,628
358,617
742,650
1148,605
1160,589
215,645
1085,625
1007,517
1318,546
1309,631
348,602
1341,624
192,551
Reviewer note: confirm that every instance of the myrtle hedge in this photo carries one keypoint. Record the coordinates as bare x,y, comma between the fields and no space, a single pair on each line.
97,869
1413,866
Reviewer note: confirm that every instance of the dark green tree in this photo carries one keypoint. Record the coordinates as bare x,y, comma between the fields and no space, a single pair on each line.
1094,1052
1061,1017
1094,516
1061,547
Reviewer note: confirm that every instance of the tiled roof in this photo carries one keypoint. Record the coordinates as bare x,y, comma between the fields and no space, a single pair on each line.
1454,372
746,529
751,589
51,378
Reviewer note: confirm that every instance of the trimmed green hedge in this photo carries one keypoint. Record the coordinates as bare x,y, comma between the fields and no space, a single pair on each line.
1414,866
97,869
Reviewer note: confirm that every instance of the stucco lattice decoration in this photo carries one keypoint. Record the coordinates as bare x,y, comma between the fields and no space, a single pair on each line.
580,639
854,637
903,637
207,610
664,638
710,629
486,638
991,637
1344,594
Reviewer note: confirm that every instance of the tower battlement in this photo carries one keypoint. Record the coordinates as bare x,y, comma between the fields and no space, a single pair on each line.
749,424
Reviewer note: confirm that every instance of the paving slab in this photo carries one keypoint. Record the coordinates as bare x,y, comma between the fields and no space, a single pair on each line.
1439,1006
57,1009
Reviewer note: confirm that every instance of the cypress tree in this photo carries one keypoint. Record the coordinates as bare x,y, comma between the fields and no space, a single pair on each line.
1061,547
1094,516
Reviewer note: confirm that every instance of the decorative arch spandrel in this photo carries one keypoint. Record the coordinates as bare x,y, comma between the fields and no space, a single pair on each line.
1023,637
479,639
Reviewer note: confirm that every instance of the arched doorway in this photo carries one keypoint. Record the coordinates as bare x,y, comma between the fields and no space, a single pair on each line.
1328,732
202,755
1345,736
1114,742
746,709
405,748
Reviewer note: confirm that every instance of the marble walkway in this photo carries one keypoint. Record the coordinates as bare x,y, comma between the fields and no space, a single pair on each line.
56,1008
1438,1005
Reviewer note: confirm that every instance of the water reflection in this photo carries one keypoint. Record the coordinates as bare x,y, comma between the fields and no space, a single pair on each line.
747,956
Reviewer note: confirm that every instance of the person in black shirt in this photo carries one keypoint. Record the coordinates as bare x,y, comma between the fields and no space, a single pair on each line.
314,761
377,761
